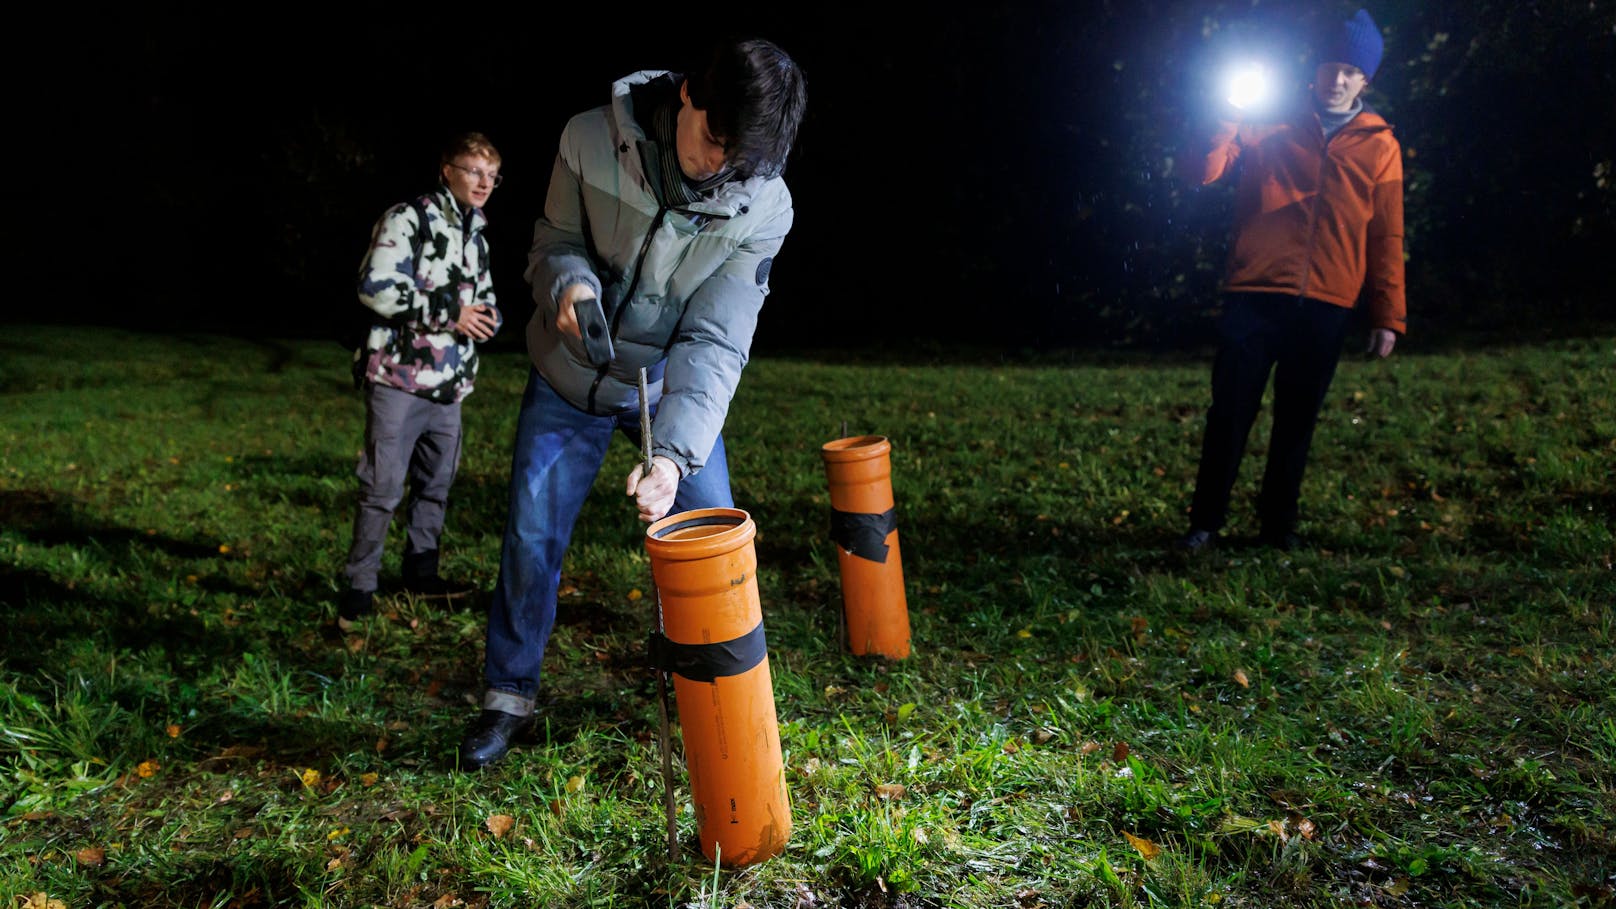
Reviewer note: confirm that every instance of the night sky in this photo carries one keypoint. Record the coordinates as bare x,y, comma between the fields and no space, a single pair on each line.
1007,173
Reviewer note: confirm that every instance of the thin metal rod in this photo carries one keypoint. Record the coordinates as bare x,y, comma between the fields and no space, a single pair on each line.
661,677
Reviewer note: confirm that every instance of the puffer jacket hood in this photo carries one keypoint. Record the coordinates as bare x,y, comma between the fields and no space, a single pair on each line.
681,286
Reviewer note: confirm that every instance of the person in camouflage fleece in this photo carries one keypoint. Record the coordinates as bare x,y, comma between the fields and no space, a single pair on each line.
426,280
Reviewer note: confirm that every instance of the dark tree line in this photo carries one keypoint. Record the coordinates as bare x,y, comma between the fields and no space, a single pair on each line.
1024,176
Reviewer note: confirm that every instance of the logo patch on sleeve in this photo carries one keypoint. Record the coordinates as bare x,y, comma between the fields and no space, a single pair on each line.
763,270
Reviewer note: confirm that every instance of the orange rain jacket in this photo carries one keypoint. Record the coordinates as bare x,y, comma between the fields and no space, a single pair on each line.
1316,219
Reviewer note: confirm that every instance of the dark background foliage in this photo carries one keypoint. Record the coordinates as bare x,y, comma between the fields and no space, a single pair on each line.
1017,174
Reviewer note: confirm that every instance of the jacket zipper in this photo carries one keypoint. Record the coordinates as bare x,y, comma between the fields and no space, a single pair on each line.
622,305
1313,218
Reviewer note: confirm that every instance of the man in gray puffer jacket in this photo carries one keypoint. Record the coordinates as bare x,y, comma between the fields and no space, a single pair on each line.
664,214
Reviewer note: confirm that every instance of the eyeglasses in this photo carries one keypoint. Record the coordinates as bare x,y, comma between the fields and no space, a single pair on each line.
479,174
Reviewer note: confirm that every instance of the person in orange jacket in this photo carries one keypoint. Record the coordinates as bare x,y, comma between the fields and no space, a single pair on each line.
1318,227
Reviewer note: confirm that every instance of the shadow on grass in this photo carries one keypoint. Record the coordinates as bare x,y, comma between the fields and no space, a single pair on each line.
248,880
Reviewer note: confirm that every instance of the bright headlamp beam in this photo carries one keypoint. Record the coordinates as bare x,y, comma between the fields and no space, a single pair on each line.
1248,86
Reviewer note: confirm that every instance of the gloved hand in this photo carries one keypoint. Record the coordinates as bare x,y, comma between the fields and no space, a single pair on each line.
654,494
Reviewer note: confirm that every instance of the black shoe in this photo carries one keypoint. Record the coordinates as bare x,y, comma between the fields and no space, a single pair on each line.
1288,541
490,737
354,605
1195,542
434,586
420,572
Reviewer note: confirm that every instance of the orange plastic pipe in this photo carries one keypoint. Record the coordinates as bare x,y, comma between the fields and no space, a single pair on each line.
859,470
705,569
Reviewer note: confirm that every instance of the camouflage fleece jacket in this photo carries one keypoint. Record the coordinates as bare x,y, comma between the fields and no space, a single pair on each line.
417,280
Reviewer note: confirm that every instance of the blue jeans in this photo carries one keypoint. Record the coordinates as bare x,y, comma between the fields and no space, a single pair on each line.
558,452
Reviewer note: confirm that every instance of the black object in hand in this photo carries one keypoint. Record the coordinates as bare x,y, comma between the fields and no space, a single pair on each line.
596,333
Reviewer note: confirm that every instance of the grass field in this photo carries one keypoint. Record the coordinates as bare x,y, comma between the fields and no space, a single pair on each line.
1416,711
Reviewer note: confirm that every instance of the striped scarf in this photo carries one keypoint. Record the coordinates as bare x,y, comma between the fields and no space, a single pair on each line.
661,157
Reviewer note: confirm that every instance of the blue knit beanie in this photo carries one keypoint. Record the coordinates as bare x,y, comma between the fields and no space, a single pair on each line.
1357,42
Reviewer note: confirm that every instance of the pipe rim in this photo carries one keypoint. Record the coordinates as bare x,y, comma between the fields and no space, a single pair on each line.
855,448
738,530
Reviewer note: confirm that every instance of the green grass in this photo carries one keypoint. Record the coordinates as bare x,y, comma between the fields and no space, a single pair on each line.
1416,712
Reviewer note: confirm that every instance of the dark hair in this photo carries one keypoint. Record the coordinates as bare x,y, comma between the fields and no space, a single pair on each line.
754,96
475,144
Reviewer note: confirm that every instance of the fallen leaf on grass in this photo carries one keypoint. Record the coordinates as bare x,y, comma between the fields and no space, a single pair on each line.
575,784
1120,752
634,595
172,730
310,778
147,769
368,779
891,790
41,901
1398,887
1240,678
446,901
1145,847
91,855
500,824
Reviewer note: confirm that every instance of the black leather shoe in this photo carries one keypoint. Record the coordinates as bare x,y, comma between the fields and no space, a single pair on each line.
434,586
490,737
354,605
1195,542
1288,541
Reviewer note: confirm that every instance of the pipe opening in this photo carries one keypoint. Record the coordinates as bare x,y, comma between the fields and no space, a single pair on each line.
697,528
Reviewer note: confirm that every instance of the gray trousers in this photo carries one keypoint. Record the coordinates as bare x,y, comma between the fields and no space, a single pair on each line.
407,438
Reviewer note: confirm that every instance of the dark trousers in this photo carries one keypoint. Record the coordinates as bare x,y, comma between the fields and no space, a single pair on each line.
408,440
1299,340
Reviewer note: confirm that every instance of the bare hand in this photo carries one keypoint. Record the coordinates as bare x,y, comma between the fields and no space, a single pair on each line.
566,318
1381,342
654,493
477,322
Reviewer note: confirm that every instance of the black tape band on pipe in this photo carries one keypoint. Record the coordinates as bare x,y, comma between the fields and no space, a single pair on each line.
864,535
705,662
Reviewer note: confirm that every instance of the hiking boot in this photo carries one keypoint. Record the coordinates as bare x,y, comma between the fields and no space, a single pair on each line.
434,586
353,606
1284,541
420,575
490,737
